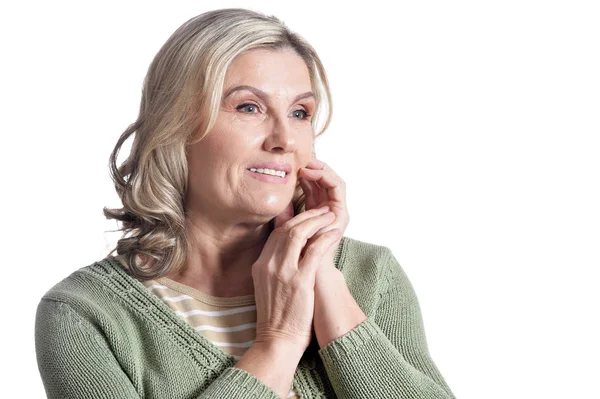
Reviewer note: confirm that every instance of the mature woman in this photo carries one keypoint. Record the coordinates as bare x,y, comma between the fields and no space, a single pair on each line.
233,278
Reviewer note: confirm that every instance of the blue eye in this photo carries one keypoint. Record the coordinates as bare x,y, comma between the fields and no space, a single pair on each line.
306,114
253,109
248,106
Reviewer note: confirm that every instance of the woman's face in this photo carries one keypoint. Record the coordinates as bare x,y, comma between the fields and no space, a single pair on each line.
263,118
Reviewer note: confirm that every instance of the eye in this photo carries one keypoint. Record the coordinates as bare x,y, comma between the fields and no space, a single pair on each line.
300,112
248,106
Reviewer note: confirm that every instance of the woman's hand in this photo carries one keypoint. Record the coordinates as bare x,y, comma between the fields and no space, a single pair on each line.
322,186
336,310
284,280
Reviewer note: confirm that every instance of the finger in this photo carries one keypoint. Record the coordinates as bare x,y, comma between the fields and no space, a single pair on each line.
298,235
327,180
313,255
301,217
318,234
284,216
336,224
273,244
315,163
315,188
306,186
312,194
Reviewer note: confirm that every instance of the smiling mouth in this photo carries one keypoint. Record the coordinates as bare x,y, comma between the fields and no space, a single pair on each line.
276,173
267,178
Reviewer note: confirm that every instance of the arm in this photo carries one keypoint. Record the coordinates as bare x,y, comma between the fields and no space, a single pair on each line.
273,363
386,355
75,361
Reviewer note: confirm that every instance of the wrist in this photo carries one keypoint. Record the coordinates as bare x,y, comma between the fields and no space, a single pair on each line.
336,310
272,363
277,349
327,276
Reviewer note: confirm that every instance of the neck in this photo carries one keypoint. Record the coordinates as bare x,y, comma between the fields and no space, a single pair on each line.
221,256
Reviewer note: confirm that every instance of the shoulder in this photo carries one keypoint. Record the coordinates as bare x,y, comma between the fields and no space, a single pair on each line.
374,274
95,291
81,283
368,268
354,255
367,257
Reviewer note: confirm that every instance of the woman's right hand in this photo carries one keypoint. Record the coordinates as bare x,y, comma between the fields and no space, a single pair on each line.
284,281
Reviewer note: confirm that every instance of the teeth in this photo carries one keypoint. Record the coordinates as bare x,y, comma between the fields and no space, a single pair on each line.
272,172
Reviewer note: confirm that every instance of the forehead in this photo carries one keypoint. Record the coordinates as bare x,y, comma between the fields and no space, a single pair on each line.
273,71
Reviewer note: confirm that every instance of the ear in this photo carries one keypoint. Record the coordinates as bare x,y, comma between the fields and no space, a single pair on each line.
284,216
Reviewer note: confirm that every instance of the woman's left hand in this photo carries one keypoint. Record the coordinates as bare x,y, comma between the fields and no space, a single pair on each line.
336,310
322,186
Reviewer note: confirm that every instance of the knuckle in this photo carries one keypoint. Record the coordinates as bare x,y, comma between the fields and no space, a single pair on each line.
272,268
297,284
314,249
281,274
284,231
281,229
295,233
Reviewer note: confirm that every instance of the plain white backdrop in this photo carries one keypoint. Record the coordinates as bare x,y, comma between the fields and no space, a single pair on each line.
468,134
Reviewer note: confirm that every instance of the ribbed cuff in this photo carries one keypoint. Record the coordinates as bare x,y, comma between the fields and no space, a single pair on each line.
238,383
347,344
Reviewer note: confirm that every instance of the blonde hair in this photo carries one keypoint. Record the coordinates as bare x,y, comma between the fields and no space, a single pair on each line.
180,100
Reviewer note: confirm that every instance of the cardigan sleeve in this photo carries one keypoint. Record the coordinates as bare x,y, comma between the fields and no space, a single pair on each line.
386,356
75,361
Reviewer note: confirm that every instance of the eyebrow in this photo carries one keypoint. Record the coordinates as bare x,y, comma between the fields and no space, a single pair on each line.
263,95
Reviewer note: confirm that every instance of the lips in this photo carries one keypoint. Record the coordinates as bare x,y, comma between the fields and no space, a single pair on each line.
268,178
286,167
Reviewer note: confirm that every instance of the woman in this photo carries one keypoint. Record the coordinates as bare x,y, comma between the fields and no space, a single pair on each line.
233,278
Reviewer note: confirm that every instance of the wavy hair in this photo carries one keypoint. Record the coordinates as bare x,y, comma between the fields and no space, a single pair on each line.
180,102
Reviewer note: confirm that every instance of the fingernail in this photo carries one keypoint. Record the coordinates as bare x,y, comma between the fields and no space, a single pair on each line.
324,208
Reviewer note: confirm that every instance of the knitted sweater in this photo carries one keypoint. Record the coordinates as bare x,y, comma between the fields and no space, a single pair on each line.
100,333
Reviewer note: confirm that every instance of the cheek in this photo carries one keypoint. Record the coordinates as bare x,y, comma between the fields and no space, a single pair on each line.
306,143
227,144
210,159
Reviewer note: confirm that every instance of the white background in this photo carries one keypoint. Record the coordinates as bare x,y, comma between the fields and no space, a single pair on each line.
468,133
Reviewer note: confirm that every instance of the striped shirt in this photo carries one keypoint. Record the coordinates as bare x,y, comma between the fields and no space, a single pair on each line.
228,322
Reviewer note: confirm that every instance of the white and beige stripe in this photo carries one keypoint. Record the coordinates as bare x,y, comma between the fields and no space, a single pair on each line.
228,322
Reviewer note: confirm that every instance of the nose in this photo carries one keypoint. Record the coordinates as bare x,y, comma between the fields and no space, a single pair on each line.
281,136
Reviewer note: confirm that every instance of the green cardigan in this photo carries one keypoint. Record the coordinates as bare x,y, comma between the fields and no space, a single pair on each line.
100,333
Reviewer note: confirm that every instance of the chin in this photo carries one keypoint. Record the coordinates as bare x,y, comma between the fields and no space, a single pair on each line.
269,206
